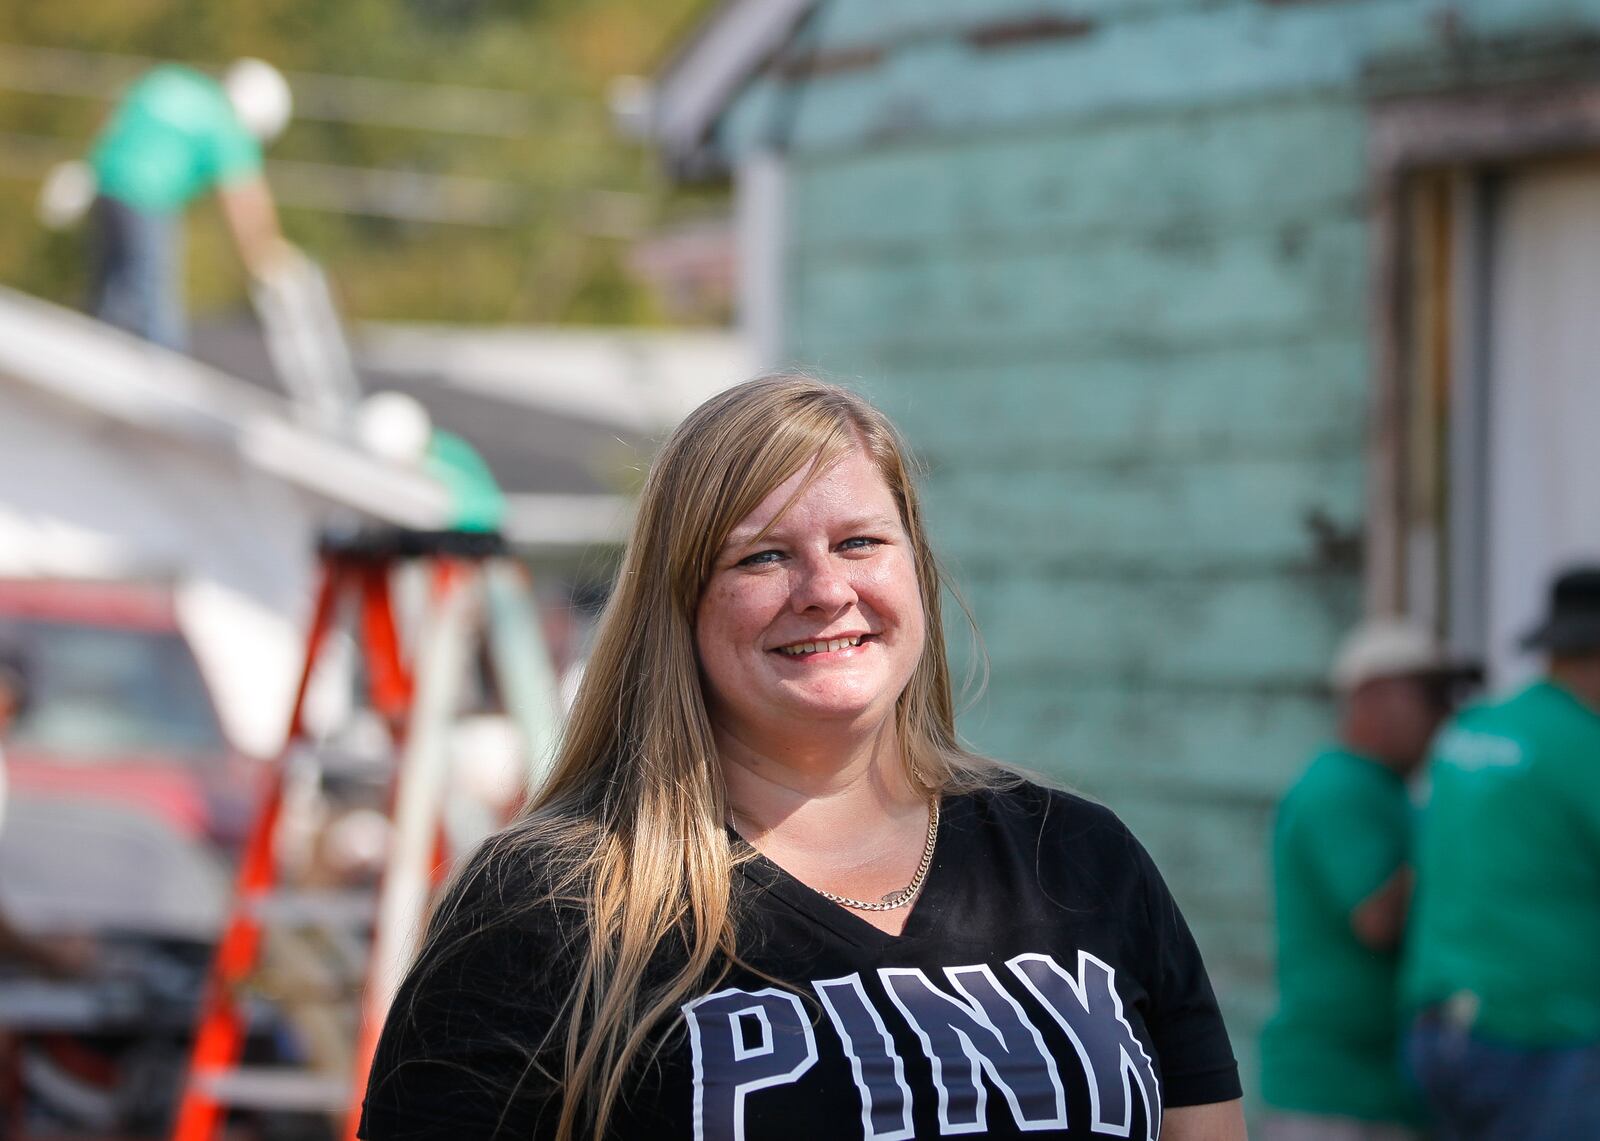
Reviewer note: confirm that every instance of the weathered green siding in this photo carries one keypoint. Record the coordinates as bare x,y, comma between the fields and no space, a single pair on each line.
1115,289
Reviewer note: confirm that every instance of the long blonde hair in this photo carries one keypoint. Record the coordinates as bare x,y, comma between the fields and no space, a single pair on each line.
629,824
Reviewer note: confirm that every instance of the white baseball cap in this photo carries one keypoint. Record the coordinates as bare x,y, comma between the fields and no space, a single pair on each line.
394,426
260,97
1383,648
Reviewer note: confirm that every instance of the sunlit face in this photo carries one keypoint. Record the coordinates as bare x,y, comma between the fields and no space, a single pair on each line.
819,622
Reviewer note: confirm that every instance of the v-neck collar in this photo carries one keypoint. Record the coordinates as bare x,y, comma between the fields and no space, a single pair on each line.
928,910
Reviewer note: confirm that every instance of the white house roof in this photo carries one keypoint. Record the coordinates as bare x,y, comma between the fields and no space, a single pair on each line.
540,404
81,362
725,50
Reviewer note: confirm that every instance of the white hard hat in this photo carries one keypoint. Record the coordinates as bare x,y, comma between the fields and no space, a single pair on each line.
260,97
1382,648
394,427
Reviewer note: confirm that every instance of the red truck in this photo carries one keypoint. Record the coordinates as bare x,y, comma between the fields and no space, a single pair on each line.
124,799
118,712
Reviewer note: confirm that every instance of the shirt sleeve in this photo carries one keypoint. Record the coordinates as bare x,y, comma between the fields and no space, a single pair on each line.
465,1052
1350,844
1197,1063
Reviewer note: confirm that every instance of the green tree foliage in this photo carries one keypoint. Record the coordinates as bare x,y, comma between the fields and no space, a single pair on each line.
563,188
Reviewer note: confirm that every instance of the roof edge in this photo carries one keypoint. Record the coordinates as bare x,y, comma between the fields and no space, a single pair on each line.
708,71
80,362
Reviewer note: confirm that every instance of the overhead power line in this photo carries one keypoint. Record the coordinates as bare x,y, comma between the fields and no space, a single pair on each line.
415,196
408,195
442,107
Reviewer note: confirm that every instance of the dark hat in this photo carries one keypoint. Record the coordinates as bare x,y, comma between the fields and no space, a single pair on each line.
1573,623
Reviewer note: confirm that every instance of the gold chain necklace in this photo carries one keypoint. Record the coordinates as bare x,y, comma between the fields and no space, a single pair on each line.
898,899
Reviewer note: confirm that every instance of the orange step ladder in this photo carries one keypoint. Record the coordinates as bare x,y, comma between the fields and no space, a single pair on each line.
471,580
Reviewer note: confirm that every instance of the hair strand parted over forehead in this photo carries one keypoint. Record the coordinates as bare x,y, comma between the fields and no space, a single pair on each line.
733,450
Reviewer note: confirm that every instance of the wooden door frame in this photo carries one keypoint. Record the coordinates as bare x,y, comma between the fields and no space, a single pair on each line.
1413,136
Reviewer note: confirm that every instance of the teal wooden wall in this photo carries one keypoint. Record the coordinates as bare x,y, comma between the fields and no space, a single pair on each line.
1115,289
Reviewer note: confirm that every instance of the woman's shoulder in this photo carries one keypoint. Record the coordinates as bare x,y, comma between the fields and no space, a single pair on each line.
516,880
1072,850
1059,829
1050,811
502,935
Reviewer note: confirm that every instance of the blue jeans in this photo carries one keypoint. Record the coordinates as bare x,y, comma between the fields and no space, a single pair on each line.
1480,1090
136,258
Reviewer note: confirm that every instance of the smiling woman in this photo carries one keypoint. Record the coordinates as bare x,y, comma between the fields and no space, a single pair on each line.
765,892
812,622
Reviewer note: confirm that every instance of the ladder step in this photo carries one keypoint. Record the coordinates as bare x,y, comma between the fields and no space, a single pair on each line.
275,1088
296,908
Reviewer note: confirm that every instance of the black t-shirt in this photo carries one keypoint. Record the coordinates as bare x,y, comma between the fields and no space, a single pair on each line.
1045,984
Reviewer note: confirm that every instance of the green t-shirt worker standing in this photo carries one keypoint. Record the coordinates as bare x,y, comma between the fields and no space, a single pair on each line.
177,134
1330,1058
1503,967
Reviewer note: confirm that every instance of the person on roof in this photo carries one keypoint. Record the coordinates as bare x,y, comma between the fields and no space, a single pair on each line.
176,135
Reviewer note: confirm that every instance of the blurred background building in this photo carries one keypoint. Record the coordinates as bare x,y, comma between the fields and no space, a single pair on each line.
1216,324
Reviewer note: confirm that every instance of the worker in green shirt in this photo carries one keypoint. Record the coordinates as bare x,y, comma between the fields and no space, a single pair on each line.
175,135
1503,962
397,428
1330,1058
